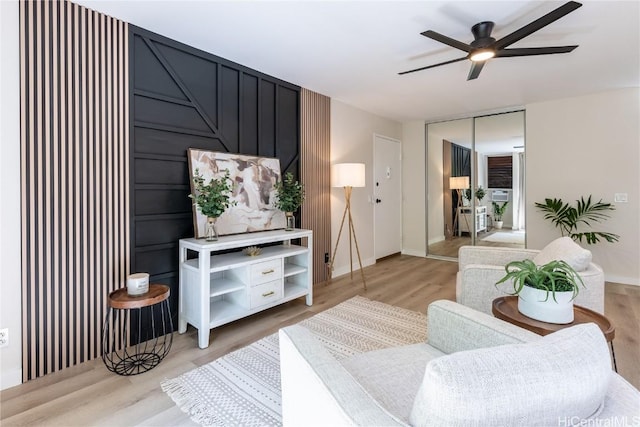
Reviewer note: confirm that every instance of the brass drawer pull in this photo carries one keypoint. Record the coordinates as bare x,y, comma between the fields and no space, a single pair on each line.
268,294
268,271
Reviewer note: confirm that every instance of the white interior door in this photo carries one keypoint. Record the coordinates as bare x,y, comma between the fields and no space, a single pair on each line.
387,196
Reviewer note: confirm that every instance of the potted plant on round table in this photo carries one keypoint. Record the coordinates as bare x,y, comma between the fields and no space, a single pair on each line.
545,292
212,199
498,212
290,195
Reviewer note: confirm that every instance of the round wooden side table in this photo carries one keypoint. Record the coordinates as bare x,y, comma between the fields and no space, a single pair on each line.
506,308
137,332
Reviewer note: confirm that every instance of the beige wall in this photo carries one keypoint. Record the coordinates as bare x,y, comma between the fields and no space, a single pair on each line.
435,185
588,145
413,189
10,303
352,133
592,145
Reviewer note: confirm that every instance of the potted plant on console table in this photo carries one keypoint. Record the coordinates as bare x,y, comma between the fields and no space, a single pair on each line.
545,292
480,193
212,199
290,195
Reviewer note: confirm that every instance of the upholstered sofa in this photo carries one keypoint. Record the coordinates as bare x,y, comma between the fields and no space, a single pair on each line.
480,267
473,369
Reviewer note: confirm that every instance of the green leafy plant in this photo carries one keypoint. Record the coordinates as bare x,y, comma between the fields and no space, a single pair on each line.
499,210
554,276
480,193
290,194
567,218
213,198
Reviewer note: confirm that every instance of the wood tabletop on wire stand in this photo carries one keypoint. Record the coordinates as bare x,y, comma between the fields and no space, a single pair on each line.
122,300
506,308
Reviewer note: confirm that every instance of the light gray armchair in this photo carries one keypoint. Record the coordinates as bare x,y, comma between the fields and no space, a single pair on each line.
474,369
480,267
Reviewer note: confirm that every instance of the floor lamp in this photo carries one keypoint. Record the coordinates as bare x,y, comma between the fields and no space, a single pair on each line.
348,175
459,183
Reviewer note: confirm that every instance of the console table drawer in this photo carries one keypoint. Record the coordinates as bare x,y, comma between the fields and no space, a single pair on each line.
266,271
266,293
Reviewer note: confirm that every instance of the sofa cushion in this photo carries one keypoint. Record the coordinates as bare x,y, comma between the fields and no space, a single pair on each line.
393,375
566,250
562,376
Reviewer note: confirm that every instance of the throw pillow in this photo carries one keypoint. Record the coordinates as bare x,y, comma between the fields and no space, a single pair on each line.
566,250
562,377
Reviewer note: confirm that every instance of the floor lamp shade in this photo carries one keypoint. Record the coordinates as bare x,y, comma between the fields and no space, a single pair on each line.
459,182
348,175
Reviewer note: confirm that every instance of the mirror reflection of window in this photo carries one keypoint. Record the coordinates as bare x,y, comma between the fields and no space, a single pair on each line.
500,171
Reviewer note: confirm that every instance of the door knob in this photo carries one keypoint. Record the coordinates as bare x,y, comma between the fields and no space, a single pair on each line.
378,200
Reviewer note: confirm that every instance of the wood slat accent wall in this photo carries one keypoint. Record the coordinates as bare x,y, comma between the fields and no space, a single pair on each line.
315,112
75,179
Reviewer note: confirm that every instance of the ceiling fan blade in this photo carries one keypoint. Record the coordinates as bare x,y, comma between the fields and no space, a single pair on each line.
537,24
530,51
447,40
432,66
476,67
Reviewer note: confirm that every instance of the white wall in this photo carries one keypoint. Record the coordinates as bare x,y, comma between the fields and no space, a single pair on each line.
10,285
582,146
482,173
352,132
413,189
435,185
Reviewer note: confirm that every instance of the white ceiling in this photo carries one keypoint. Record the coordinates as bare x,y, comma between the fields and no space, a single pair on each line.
353,50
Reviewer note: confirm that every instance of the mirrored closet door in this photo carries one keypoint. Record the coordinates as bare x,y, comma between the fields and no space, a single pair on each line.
475,183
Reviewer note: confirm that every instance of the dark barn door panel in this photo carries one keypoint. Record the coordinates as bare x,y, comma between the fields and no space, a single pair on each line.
182,97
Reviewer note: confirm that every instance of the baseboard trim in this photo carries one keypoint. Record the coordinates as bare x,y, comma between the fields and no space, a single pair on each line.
413,252
342,270
436,240
10,378
622,280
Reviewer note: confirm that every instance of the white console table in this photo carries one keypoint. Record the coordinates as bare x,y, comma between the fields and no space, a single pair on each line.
466,219
218,288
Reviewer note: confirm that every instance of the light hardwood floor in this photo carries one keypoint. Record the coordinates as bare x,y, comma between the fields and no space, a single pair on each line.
88,394
449,248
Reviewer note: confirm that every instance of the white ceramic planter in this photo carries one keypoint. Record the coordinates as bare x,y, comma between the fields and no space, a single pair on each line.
531,303
498,225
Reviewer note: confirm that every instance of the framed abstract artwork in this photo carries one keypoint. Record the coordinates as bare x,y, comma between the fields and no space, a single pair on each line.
254,179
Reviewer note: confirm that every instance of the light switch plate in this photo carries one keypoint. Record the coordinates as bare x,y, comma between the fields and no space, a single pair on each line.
620,198
4,337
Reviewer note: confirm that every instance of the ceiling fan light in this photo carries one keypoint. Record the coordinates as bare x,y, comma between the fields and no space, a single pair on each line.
482,55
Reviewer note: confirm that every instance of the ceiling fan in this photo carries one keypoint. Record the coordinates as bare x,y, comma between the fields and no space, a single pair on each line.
485,47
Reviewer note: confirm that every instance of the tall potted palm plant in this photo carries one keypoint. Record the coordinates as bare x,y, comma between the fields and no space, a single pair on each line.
569,218
498,213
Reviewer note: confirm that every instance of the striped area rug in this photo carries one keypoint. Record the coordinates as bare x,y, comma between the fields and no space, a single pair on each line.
242,388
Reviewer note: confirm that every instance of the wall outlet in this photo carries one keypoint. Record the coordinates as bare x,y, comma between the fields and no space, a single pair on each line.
4,337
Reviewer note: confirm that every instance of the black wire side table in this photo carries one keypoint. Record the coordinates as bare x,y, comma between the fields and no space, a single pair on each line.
152,341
